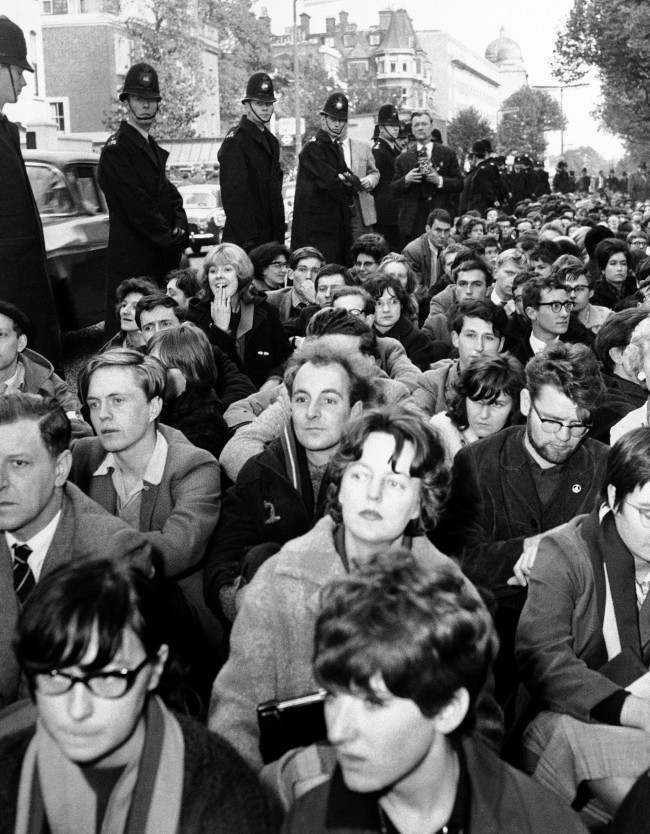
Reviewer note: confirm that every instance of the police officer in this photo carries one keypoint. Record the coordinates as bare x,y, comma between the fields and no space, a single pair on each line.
148,225
522,180
385,150
482,187
23,273
325,187
250,172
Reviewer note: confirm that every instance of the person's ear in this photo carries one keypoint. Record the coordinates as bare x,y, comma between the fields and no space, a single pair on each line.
524,402
22,342
611,496
454,339
452,715
616,355
158,664
531,313
356,410
62,467
501,342
155,407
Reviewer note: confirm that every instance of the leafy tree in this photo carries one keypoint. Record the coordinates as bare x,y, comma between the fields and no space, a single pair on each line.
527,113
165,36
244,48
581,157
612,36
315,87
467,127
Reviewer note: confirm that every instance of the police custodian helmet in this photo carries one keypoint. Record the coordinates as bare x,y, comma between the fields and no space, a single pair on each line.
141,80
13,49
336,107
259,88
388,115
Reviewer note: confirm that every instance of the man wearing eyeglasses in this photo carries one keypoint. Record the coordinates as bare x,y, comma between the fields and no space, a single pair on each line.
548,307
44,521
512,487
583,642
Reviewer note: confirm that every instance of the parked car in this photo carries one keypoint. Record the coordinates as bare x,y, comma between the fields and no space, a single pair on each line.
74,214
205,214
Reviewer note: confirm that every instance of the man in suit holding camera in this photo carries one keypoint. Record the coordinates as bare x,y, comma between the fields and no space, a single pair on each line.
427,176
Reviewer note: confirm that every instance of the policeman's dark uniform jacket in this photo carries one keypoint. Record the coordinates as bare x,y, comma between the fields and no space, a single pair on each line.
562,180
521,183
385,155
23,273
482,187
322,207
144,206
542,183
416,200
251,177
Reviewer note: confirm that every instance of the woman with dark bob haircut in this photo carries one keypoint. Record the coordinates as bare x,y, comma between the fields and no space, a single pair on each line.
270,264
394,310
243,325
389,481
105,752
485,400
616,279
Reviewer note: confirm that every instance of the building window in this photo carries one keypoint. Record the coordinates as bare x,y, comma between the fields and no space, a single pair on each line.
418,67
404,67
58,114
393,66
83,7
374,39
54,6
380,67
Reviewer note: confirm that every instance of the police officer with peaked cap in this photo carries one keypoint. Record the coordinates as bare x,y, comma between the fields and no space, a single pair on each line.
385,149
24,280
250,172
147,222
325,187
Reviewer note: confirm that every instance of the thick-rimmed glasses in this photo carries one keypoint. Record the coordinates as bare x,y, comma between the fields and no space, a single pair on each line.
552,426
557,306
113,684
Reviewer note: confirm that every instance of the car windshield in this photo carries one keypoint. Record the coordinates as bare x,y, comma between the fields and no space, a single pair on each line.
200,199
50,189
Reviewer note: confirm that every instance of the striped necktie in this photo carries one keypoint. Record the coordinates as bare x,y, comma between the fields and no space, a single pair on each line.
24,579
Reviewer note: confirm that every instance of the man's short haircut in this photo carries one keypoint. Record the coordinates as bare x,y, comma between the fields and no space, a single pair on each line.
264,255
421,113
367,303
143,284
521,278
616,332
527,242
398,258
490,240
227,253
608,247
187,348
572,369
512,255
187,281
570,268
546,251
404,426
470,264
535,286
53,424
333,322
331,269
358,369
148,371
86,603
628,464
424,629
21,323
304,252
371,244
157,299
485,379
483,309
441,215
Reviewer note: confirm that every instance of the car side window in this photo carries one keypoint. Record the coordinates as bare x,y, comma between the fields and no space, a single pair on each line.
83,176
51,190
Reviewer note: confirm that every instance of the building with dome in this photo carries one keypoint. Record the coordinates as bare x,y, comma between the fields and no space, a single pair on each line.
506,55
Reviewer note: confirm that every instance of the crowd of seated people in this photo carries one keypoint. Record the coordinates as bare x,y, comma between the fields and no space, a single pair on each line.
339,546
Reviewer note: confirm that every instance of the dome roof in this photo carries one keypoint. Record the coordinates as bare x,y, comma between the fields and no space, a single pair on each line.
503,49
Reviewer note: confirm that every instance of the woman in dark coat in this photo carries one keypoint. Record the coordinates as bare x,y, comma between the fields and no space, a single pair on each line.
616,280
393,311
244,326
191,404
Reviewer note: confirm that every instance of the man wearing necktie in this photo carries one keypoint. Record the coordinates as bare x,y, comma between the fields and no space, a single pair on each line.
44,521
325,188
147,223
427,176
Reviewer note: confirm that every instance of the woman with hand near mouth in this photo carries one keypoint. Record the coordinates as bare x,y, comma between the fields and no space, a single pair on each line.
244,326
388,483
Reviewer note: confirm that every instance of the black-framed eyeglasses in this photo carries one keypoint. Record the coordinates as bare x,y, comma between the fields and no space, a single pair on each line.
552,426
113,684
557,306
